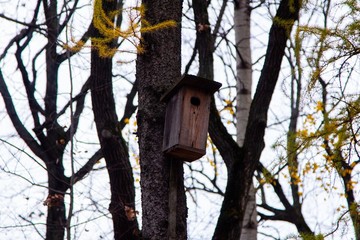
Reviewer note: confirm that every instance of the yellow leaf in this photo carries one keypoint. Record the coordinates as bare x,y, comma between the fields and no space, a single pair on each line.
319,106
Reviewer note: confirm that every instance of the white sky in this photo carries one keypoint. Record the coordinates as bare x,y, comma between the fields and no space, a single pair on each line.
23,194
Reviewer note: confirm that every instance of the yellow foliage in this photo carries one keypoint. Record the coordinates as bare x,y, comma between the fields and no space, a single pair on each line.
345,172
353,164
304,133
310,119
269,180
229,106
315,167
343,195
213,164
228,102
328,158
77,47
307,168
319,106
104,23
230,109
295,178
350,185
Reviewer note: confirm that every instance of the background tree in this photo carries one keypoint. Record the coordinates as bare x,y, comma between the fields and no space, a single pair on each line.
51,140
46,138
296,86
241,167
311,76
242,12
113,145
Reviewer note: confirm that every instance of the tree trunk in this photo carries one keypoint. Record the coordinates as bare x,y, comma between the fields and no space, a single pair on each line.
56,218
157,70
113,146
204,39
242,13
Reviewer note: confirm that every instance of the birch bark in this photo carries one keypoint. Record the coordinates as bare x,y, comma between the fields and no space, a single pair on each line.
242,13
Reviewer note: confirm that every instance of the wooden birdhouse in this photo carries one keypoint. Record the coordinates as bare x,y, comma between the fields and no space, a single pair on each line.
187,117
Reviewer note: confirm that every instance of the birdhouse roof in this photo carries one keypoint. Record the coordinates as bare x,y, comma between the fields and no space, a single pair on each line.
202,84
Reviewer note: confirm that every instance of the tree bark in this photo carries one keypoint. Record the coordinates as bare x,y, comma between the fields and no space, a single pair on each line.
113,146
157,70
56,217
204,40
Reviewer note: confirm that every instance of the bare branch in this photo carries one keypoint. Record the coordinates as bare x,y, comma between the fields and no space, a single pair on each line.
80,101
69,53
34,225
88,166
19,126
129,106
219,20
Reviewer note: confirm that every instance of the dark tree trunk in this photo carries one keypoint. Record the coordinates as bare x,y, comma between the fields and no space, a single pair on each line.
157,70
56,218
113,146
240,176
204,39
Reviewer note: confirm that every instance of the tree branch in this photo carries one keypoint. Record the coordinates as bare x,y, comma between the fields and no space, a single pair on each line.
228,148
69,52
19,126
80,174
219,20
80,102
129,106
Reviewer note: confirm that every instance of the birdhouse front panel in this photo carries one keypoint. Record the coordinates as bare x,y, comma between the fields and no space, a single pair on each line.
187,117
195,118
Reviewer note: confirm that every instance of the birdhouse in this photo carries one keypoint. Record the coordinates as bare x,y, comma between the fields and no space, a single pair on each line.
187,117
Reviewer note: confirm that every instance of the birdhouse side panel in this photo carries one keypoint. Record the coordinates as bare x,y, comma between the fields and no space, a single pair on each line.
195,118
172,121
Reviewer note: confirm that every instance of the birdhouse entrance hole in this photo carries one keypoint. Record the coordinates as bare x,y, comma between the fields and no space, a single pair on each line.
195,101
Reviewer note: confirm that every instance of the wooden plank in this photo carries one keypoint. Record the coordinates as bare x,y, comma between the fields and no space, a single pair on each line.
172,122
194,125
185,153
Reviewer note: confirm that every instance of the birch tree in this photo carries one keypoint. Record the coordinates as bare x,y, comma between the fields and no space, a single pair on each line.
242,20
